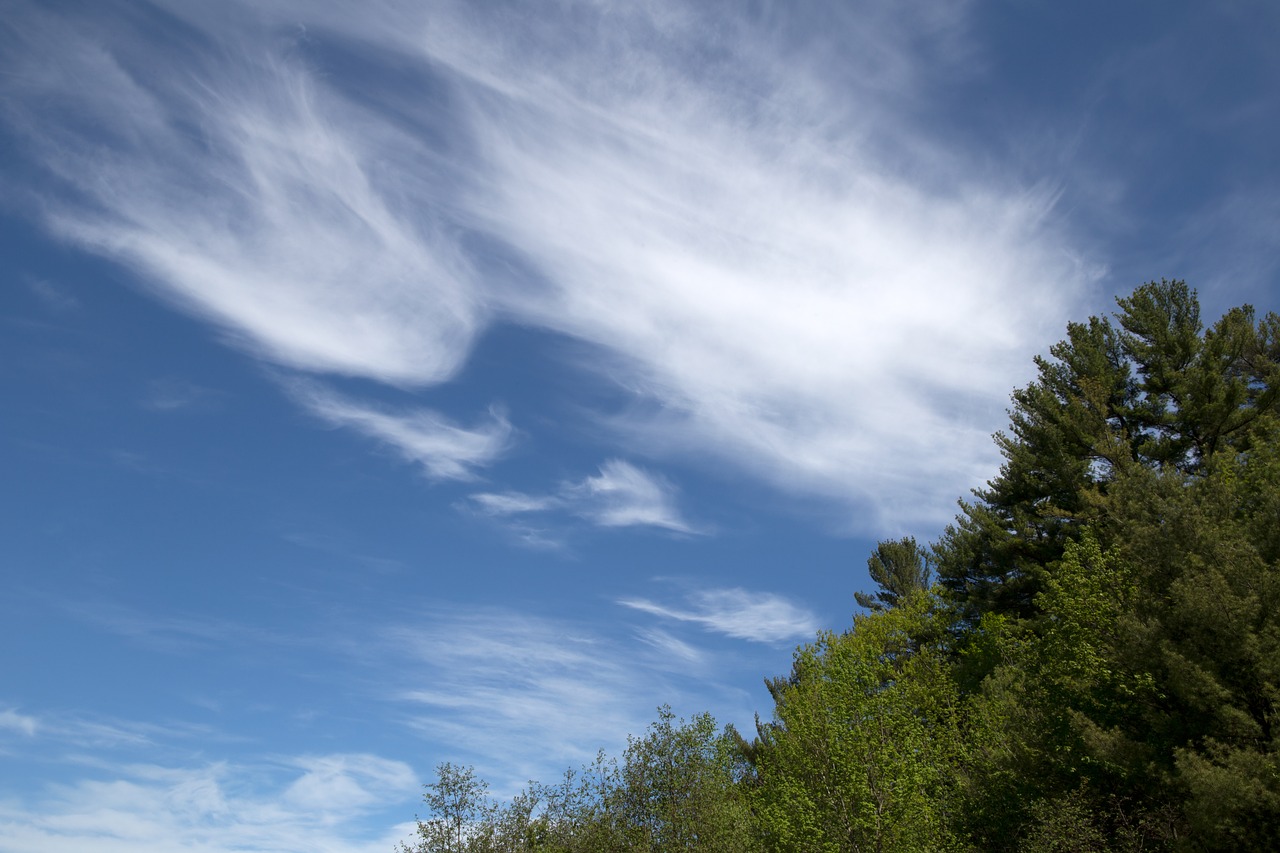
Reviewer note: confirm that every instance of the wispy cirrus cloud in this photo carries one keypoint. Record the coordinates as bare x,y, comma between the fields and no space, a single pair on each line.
621,495
131,785
317,803
759,237
52,297
523,695
444,450
331,786
761,617
88,733
171,394
774,288
671,647
519,694
23,724
485,679
227,179
515,503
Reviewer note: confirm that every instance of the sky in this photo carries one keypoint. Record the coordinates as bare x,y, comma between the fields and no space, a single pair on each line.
395,383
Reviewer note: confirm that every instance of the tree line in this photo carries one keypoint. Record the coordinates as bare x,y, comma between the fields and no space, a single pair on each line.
1087,659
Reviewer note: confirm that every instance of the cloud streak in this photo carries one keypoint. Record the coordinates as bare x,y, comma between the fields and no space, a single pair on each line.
784,267
487,679
621,495
791,306
757,616
443,450
525,696
23,724
229,183
331,786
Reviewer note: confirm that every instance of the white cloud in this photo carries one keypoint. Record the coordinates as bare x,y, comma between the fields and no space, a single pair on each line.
89,734
515,503
130,785
671,648
524,696
758,616
335,784
231,184
791,272
625,496
790,305
216,808
20,723
493,678
519,695
443,450
622,495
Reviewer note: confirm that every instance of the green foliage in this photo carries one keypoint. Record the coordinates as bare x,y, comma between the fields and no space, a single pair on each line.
899,567
1206,626
857,753
462,813
1118,649
1157,391
675,789
1148,692
1051,697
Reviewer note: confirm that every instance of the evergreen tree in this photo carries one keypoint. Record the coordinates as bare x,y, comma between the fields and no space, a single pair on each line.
899,567
1157,391
1145,700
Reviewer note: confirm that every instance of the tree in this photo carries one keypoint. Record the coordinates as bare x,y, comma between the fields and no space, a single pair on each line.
1157,391
1142,706
899,567
674,789
1205,627
677,789
1035,770
858,755
1117,585
462,815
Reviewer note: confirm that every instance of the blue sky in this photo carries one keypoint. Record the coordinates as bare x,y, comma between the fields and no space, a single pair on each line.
412,382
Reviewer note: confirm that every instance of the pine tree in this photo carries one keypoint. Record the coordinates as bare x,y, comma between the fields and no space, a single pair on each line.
899,567
1158,390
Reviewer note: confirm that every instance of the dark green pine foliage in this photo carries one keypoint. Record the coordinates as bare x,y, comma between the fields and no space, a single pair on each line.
899,567
1204,633
1156,390
1141,711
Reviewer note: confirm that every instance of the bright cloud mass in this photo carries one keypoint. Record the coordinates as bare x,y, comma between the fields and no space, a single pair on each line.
449,381
730,233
